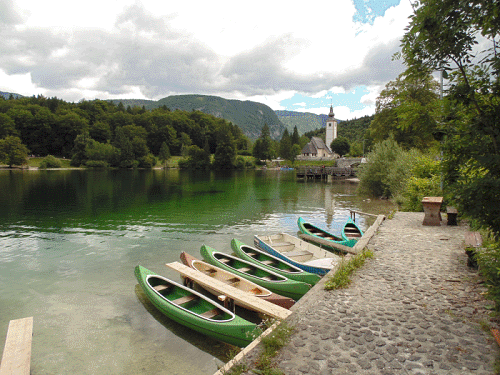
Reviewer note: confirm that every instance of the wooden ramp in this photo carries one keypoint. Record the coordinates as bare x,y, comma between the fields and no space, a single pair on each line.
16,356
244,299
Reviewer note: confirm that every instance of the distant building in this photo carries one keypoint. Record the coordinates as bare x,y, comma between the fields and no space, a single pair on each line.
317,148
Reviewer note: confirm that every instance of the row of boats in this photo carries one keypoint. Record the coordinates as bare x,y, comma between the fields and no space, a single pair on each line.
279,270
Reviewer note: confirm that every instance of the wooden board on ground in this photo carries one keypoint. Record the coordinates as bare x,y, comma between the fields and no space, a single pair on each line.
16,356
244,299
363,241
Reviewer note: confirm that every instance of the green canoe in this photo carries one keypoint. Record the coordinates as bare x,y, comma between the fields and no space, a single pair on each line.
271,280
195,310
272,263
312,230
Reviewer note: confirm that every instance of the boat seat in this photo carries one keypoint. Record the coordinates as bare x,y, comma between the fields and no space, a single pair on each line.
244,269
185,299
211,313
279,244
269,278
232,280
297,253
256,291
224,260
211,272
251,253
160,288
268,262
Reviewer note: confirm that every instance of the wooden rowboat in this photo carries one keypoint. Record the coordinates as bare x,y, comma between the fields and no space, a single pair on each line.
194,310
235,281
276,283
273,263
300,253
314,231
351,231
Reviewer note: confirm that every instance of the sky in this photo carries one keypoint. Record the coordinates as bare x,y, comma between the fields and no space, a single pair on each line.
302,56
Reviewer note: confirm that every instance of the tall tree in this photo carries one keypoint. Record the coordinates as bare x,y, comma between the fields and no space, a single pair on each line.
263,147
286,146
445,35
13,152
295,136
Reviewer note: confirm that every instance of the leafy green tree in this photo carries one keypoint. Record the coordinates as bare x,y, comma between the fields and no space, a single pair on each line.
7,126
340,145
164,154
79,152
286,145
197,159
100,132
50,162
225,153
296,150
263,147
407,109
13,152
443,35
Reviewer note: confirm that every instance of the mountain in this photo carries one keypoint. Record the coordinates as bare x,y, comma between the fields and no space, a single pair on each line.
249,116
6,95
305,122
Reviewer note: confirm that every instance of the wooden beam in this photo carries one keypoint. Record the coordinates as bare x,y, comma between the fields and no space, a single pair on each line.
244,299
363,241
16,356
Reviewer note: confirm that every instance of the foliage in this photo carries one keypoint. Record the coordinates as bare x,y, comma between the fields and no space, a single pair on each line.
263,148
225,153
12,151
50,162
445,35
488,260
164,154
285,150
341,277
197,159
388,165
340,145
407,110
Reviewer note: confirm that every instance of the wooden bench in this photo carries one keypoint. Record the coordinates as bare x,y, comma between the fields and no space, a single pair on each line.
16,356
160,288
451,213
473,242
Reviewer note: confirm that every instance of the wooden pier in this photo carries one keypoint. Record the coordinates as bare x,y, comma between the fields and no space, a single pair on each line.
246,300
323,173
16,356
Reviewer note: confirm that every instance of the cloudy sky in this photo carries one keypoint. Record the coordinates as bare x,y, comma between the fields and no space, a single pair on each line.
300,56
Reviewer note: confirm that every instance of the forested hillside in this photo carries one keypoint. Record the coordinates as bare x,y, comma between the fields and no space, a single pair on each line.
101,131
305,122
249,116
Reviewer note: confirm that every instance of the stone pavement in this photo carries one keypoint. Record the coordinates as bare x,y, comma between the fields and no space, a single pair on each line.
414,308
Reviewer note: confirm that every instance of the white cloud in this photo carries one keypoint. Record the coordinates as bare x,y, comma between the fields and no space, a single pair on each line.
263,51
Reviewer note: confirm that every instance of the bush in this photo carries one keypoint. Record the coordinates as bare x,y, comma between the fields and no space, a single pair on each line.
410,198
488,260
148,161
96,164
50,162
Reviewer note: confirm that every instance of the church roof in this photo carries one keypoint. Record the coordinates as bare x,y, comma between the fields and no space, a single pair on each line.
315,145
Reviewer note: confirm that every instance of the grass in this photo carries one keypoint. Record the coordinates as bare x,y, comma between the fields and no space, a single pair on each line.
341,278
35,162
271,345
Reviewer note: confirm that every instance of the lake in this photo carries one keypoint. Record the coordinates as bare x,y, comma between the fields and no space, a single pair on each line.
70,239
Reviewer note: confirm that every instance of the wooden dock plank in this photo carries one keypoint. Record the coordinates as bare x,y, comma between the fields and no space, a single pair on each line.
16,356
321,241
244,299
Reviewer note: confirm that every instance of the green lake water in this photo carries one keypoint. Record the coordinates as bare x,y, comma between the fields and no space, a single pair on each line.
69,242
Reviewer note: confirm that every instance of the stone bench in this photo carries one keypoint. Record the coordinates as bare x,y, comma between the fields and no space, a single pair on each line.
432,210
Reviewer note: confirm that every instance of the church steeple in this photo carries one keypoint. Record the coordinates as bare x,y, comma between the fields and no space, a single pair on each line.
331,114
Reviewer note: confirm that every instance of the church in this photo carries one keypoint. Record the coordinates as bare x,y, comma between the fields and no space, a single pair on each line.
317,149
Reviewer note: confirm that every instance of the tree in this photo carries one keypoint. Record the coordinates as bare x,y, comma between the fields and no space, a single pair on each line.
286,146
225,153
295,152
197,159
444,35
164,154
407,109
7,126
263,147
79,152
340,146
13,152
295,136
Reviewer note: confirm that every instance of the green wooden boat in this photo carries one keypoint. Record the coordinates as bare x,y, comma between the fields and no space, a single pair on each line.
272,263
271,280
351,230
312,230
195,310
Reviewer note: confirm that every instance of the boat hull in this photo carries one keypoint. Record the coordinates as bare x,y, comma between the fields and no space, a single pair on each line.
274,282
273,263
242,283
298,252
225,326
312,230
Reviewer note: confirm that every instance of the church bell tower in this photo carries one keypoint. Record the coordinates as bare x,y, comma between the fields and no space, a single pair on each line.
331,128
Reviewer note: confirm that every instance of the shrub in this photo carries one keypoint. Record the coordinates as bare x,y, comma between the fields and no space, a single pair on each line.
410,198
50,162
147,161
96,164
488,260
